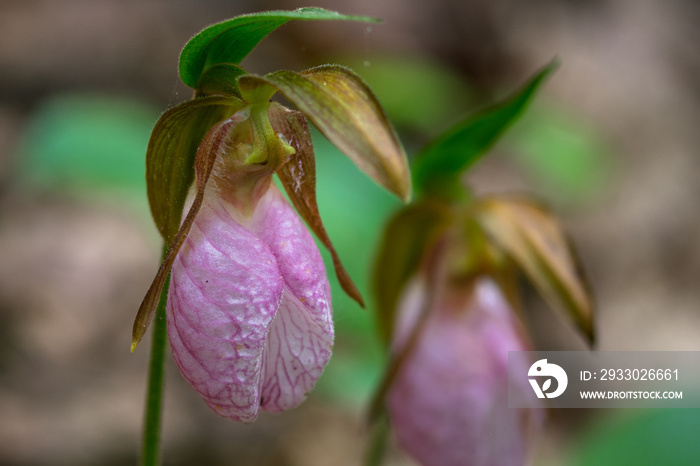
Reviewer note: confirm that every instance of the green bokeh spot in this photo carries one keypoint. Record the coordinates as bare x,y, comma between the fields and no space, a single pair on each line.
87,142
567,159
642,438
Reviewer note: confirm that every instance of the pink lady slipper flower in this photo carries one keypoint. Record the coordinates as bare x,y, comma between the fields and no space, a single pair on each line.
453,317
248,307
447,303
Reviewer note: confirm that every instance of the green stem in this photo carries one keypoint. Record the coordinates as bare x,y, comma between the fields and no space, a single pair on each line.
377,442
150,452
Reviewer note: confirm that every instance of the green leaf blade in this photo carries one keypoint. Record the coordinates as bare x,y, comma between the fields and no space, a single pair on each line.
232,40
462,145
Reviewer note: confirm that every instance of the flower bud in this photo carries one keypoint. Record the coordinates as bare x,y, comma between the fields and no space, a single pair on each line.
449,401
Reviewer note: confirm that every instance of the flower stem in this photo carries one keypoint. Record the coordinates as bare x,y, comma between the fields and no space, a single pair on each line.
150,452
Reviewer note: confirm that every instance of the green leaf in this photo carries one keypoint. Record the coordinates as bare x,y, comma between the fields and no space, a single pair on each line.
533,239
171,153
407,238
212,144
232,40
346,111
446,158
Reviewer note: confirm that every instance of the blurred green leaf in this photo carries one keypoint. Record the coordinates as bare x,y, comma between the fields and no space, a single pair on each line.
83,141
642,438
232,40
458,148
346,111
354,369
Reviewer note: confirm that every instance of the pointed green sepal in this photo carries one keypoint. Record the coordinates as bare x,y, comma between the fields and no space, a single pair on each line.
448,156
346,111
171,153
232,40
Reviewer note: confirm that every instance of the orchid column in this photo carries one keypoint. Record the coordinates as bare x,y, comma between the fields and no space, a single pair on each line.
248,304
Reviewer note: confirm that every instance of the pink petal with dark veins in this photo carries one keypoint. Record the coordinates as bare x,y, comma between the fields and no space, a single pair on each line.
249,313
224,292
449,401
301,336
298,349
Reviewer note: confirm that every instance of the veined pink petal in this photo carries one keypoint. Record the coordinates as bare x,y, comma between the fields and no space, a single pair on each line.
224,292
249,313
449,401
301,336
297,351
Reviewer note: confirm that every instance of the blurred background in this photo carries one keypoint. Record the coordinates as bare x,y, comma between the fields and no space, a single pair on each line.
611,144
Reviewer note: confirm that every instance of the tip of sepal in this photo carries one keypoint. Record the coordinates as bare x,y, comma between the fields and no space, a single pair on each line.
589,333
407,195
298,177
359,300
400,182
134,344
344,279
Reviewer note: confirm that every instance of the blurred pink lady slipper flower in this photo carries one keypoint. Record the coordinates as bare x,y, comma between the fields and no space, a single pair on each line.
445,280
447,411
456,317
249,308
